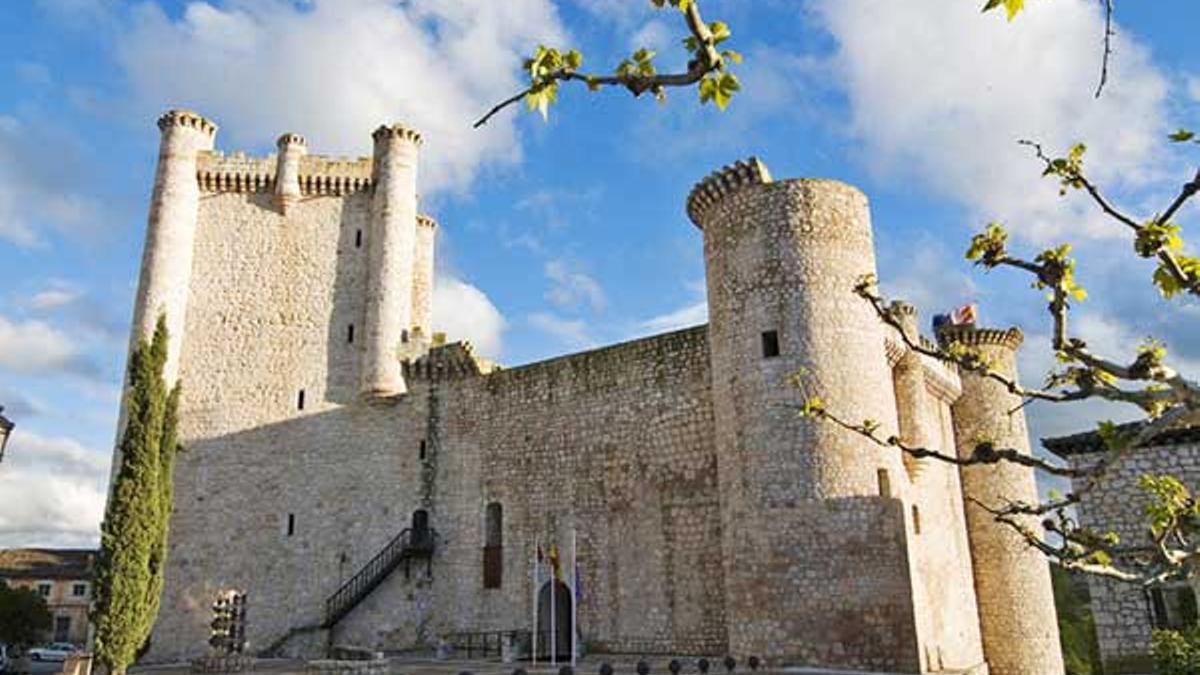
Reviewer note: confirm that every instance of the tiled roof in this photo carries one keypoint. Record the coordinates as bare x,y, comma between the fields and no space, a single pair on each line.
47,563
1089,441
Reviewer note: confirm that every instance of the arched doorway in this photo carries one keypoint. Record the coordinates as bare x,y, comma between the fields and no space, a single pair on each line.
562,620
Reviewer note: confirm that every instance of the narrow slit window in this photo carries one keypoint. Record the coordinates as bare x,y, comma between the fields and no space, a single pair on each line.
358,239
300,400
770,344
404,336
291,528
493,546
885,483
422,450
350,333
916,516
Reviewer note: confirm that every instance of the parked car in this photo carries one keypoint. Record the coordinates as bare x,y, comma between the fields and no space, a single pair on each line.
55,651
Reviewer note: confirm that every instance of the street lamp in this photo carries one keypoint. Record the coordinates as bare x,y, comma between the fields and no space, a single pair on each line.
6,427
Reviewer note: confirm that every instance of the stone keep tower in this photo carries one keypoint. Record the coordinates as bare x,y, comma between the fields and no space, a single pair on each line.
1012,580
801,501
166,275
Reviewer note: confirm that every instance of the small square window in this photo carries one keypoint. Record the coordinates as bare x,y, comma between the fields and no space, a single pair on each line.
770,344
43,590
78,590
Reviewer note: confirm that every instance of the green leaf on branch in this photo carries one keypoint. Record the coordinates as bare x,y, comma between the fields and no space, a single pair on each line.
719,89
1156,236
813,407
990,246
1011,7
720,31
1168,283
541,98
1182,136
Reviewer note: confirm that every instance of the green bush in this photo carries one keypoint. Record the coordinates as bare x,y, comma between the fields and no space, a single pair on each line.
1176,652
23,616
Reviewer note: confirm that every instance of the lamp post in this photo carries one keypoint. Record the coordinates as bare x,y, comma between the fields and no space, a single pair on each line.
6,427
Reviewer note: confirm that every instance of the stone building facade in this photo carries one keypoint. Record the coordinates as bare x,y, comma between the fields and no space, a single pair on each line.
63,577
1125,613
330,432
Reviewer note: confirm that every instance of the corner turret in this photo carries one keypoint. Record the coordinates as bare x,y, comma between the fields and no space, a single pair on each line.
1012,580
801,498
392,245
170,232
422,290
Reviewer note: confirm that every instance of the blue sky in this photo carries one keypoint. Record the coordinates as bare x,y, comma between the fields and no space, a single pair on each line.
568,234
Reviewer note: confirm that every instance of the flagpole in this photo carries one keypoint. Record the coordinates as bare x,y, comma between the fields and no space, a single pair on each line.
537,549
553,607
574,599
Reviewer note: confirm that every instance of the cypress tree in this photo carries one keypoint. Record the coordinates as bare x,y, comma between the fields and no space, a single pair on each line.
128,577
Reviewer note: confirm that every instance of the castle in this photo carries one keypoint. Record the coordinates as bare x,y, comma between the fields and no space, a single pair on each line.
363,482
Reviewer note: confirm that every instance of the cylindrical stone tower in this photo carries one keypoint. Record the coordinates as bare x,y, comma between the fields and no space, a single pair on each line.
287,171
422,291
391,246
1012,580
170,233
915,406
815,559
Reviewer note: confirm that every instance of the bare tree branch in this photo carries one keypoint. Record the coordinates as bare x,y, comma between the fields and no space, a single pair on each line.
1108,36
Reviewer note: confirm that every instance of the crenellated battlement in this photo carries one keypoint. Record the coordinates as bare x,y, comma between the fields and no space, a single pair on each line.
978,337
717,185
397,131
319,174
186,118
426,221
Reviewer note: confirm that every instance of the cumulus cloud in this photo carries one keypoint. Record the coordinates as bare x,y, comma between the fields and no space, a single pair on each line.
571,289
334,71
464,312
574,333
36,172
36,347
939,94
52,492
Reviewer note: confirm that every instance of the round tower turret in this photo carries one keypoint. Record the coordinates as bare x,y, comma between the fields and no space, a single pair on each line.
1012,580
287,170
391,246
815,556
422,291
170,232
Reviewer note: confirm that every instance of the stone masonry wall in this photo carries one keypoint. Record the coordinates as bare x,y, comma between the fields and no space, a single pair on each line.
1123,612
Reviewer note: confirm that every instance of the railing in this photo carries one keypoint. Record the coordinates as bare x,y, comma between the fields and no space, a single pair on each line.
403,548
484,643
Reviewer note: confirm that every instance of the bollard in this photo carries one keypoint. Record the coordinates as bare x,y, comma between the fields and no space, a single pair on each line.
643,668
702,665
753,662
674,666
730,663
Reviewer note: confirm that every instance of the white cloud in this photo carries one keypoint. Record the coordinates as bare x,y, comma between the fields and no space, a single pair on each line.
654,34
56,294
37,168
570,288
52,492
36,347
334,71
940,94
693,313
464,312
573,332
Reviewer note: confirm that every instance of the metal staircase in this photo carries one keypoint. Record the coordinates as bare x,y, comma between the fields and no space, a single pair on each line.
403,549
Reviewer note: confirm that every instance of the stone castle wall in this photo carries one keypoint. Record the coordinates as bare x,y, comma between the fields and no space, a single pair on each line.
708,517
